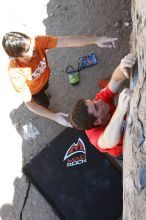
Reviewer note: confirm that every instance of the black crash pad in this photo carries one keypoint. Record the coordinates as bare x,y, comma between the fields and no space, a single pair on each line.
76,179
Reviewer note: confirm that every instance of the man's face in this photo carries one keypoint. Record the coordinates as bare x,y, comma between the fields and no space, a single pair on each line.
100,110
29,51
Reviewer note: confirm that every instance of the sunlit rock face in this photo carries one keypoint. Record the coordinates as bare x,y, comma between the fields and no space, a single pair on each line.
134,168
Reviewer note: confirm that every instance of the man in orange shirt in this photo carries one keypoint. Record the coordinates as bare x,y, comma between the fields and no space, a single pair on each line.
29,71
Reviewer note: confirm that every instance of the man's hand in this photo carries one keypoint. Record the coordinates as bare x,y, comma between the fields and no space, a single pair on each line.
60,118
127,64
106,42
124,100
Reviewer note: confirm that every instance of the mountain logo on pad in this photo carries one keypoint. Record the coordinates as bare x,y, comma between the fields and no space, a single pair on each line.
76,154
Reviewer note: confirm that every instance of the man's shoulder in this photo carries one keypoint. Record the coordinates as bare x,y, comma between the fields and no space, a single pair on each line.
43,38
94,135
14,70
12,67
46,41
12,64
94,131
105,94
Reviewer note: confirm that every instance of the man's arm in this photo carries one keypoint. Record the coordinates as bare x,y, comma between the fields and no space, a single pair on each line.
112,133
79,41
122,72
40,110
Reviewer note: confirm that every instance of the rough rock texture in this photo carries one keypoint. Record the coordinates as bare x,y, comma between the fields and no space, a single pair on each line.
134,169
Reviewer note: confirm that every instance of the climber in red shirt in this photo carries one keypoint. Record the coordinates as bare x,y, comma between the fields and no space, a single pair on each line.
100,118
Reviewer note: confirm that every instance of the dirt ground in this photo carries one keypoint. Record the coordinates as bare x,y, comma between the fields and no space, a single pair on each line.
66,17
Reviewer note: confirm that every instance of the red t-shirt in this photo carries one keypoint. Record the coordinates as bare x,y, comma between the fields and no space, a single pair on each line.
94,134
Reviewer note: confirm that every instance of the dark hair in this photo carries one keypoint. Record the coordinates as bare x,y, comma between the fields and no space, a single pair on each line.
80,118
14,43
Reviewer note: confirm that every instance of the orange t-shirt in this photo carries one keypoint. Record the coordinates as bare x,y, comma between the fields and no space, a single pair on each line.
36,72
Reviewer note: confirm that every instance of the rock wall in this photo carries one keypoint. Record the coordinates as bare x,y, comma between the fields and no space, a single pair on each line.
134,164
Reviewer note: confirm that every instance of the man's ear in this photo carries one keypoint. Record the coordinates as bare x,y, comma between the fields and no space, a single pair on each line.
97,122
